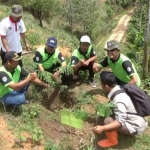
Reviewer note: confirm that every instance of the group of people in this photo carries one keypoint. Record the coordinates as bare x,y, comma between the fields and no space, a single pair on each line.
14,80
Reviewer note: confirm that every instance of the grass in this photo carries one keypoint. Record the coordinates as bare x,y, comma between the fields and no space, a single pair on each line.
35,111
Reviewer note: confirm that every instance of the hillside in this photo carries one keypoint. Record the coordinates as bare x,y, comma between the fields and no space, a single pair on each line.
40,125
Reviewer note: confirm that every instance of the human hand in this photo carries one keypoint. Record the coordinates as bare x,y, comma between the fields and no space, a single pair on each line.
56,74
27,47
33,76
96,67
98,129
86,63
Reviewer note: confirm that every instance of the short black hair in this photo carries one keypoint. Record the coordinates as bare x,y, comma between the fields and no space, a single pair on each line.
108,78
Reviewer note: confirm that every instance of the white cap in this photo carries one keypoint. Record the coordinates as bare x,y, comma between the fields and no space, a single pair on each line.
85,39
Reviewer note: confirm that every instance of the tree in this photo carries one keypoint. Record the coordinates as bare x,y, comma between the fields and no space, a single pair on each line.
84,12
146,38
40,8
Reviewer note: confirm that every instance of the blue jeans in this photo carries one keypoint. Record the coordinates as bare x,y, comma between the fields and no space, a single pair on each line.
16,98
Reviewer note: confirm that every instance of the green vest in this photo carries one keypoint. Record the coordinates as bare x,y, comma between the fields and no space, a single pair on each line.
119,72
48,62
16,76
77,54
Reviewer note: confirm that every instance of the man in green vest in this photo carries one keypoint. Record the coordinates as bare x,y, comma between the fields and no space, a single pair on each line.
12,91
121,65
49,58
83,58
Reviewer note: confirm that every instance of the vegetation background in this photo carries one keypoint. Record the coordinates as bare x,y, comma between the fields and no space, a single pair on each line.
39,126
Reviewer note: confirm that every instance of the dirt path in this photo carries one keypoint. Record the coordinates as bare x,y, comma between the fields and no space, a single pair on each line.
119,31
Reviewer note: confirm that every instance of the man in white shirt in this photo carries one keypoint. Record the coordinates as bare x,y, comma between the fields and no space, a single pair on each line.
125,119
11,29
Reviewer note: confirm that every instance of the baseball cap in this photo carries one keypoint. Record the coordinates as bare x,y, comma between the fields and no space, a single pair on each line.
85,39
16,11
52,41
113,44
11,55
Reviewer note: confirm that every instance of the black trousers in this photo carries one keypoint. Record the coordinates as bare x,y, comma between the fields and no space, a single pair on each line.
4,61
89,68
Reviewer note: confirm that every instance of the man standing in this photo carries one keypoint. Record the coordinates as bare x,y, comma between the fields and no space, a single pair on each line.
83,59
50,59
120,64
12,91
11,29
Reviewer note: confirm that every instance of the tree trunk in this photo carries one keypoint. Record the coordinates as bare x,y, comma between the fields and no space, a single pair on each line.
141,10
146,51
40,18
71,19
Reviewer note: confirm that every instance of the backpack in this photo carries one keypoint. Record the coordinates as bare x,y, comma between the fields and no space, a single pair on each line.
140,99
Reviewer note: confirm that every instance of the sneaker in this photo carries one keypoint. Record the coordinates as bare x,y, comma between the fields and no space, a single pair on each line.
92,83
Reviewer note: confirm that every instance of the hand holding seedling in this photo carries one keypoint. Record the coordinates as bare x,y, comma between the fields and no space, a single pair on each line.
98,129
33,76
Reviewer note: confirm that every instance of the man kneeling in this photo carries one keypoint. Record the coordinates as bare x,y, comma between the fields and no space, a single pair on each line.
12,89
122,121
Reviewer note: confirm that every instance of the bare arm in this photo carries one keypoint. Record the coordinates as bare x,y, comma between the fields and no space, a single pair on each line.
21,84
91,59
112,126
133,79
25,41
41,83
4,41
78,65
40,67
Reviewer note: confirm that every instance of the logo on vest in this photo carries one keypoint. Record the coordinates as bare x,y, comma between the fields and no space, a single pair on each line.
37,58
62,58
128,69
4,79
73,61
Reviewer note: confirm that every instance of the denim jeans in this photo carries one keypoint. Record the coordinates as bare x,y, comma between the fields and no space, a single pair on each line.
16,98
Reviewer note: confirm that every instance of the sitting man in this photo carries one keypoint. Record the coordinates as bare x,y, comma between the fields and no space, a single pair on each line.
121,65
50,59
83,59
12,91
125,119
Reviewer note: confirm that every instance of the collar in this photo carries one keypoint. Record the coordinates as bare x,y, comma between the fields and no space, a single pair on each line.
116,59
116,88
12,20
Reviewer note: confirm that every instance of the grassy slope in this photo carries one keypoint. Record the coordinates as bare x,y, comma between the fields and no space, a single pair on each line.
38,38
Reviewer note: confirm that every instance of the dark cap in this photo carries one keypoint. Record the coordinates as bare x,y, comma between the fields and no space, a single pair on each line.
16,11
52,41
113,44
11,55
